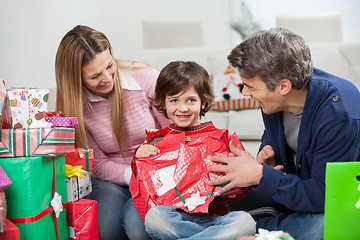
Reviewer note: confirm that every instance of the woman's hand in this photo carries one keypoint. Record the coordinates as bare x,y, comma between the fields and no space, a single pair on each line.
146,150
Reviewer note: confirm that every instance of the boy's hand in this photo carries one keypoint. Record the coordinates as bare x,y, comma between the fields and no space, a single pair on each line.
146,150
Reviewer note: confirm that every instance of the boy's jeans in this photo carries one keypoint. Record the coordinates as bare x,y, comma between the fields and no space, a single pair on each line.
162,222
301,226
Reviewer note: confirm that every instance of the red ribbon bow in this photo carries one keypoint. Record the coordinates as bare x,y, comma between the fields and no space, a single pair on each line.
53,114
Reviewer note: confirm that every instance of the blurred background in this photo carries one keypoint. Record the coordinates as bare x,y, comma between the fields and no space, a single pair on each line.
30,31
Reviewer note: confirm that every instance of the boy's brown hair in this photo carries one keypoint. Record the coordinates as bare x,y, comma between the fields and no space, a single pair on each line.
176,77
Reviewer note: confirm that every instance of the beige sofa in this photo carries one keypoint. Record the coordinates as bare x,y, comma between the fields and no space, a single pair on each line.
341,59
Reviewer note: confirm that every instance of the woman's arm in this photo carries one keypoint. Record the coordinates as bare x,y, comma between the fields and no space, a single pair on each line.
108,169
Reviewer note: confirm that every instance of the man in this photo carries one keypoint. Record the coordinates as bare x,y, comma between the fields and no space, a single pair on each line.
311,117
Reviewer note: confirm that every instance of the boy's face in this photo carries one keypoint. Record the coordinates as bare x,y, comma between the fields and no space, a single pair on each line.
184,108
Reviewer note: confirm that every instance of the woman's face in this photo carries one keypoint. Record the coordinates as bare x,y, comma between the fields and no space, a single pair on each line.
98,75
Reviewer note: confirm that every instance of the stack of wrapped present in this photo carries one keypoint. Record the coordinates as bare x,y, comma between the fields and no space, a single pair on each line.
33,147
82,212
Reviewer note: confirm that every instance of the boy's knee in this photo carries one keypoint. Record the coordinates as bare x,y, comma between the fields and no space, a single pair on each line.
246,221
154,214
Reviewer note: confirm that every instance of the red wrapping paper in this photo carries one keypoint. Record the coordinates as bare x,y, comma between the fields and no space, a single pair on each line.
81,157
2,211
11,231
53,114
82,218
190,176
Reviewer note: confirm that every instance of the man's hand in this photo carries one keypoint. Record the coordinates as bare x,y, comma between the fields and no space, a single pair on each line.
242,170
146,151
267,156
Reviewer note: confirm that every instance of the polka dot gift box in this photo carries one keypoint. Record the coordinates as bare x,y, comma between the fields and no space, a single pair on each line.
27,106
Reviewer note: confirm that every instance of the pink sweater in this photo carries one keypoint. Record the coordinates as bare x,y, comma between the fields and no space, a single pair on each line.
108,163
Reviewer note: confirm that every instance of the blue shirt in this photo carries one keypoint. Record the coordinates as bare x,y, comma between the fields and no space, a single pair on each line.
329,132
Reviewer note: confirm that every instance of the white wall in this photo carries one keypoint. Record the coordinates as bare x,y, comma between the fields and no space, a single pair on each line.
30,31
264,12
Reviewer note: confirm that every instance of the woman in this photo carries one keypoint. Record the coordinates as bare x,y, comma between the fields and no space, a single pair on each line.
110,98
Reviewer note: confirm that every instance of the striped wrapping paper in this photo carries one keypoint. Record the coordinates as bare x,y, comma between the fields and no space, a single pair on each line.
36,141
235,104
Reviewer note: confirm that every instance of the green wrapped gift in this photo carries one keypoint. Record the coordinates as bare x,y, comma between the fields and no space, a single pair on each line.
342,201
28,198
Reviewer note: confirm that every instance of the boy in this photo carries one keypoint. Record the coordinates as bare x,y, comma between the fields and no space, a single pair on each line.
183,93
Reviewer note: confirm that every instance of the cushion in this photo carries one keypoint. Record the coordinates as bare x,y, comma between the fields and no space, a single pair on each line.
328,57
234,104
247,124
227,89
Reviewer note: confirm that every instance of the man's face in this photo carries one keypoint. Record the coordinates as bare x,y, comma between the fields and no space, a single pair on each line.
269,101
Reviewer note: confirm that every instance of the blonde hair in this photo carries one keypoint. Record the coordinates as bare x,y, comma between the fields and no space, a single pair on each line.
77,48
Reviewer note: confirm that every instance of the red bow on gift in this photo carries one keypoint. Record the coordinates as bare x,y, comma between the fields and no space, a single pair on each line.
53,114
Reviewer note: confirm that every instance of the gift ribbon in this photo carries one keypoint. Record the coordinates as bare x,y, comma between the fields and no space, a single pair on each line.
86,154
72,171
265,234
208,195
53,114
87,157
44,212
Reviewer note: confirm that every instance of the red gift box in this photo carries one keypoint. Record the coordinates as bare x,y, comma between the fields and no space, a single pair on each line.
179,171
81,157
82,218
11,231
